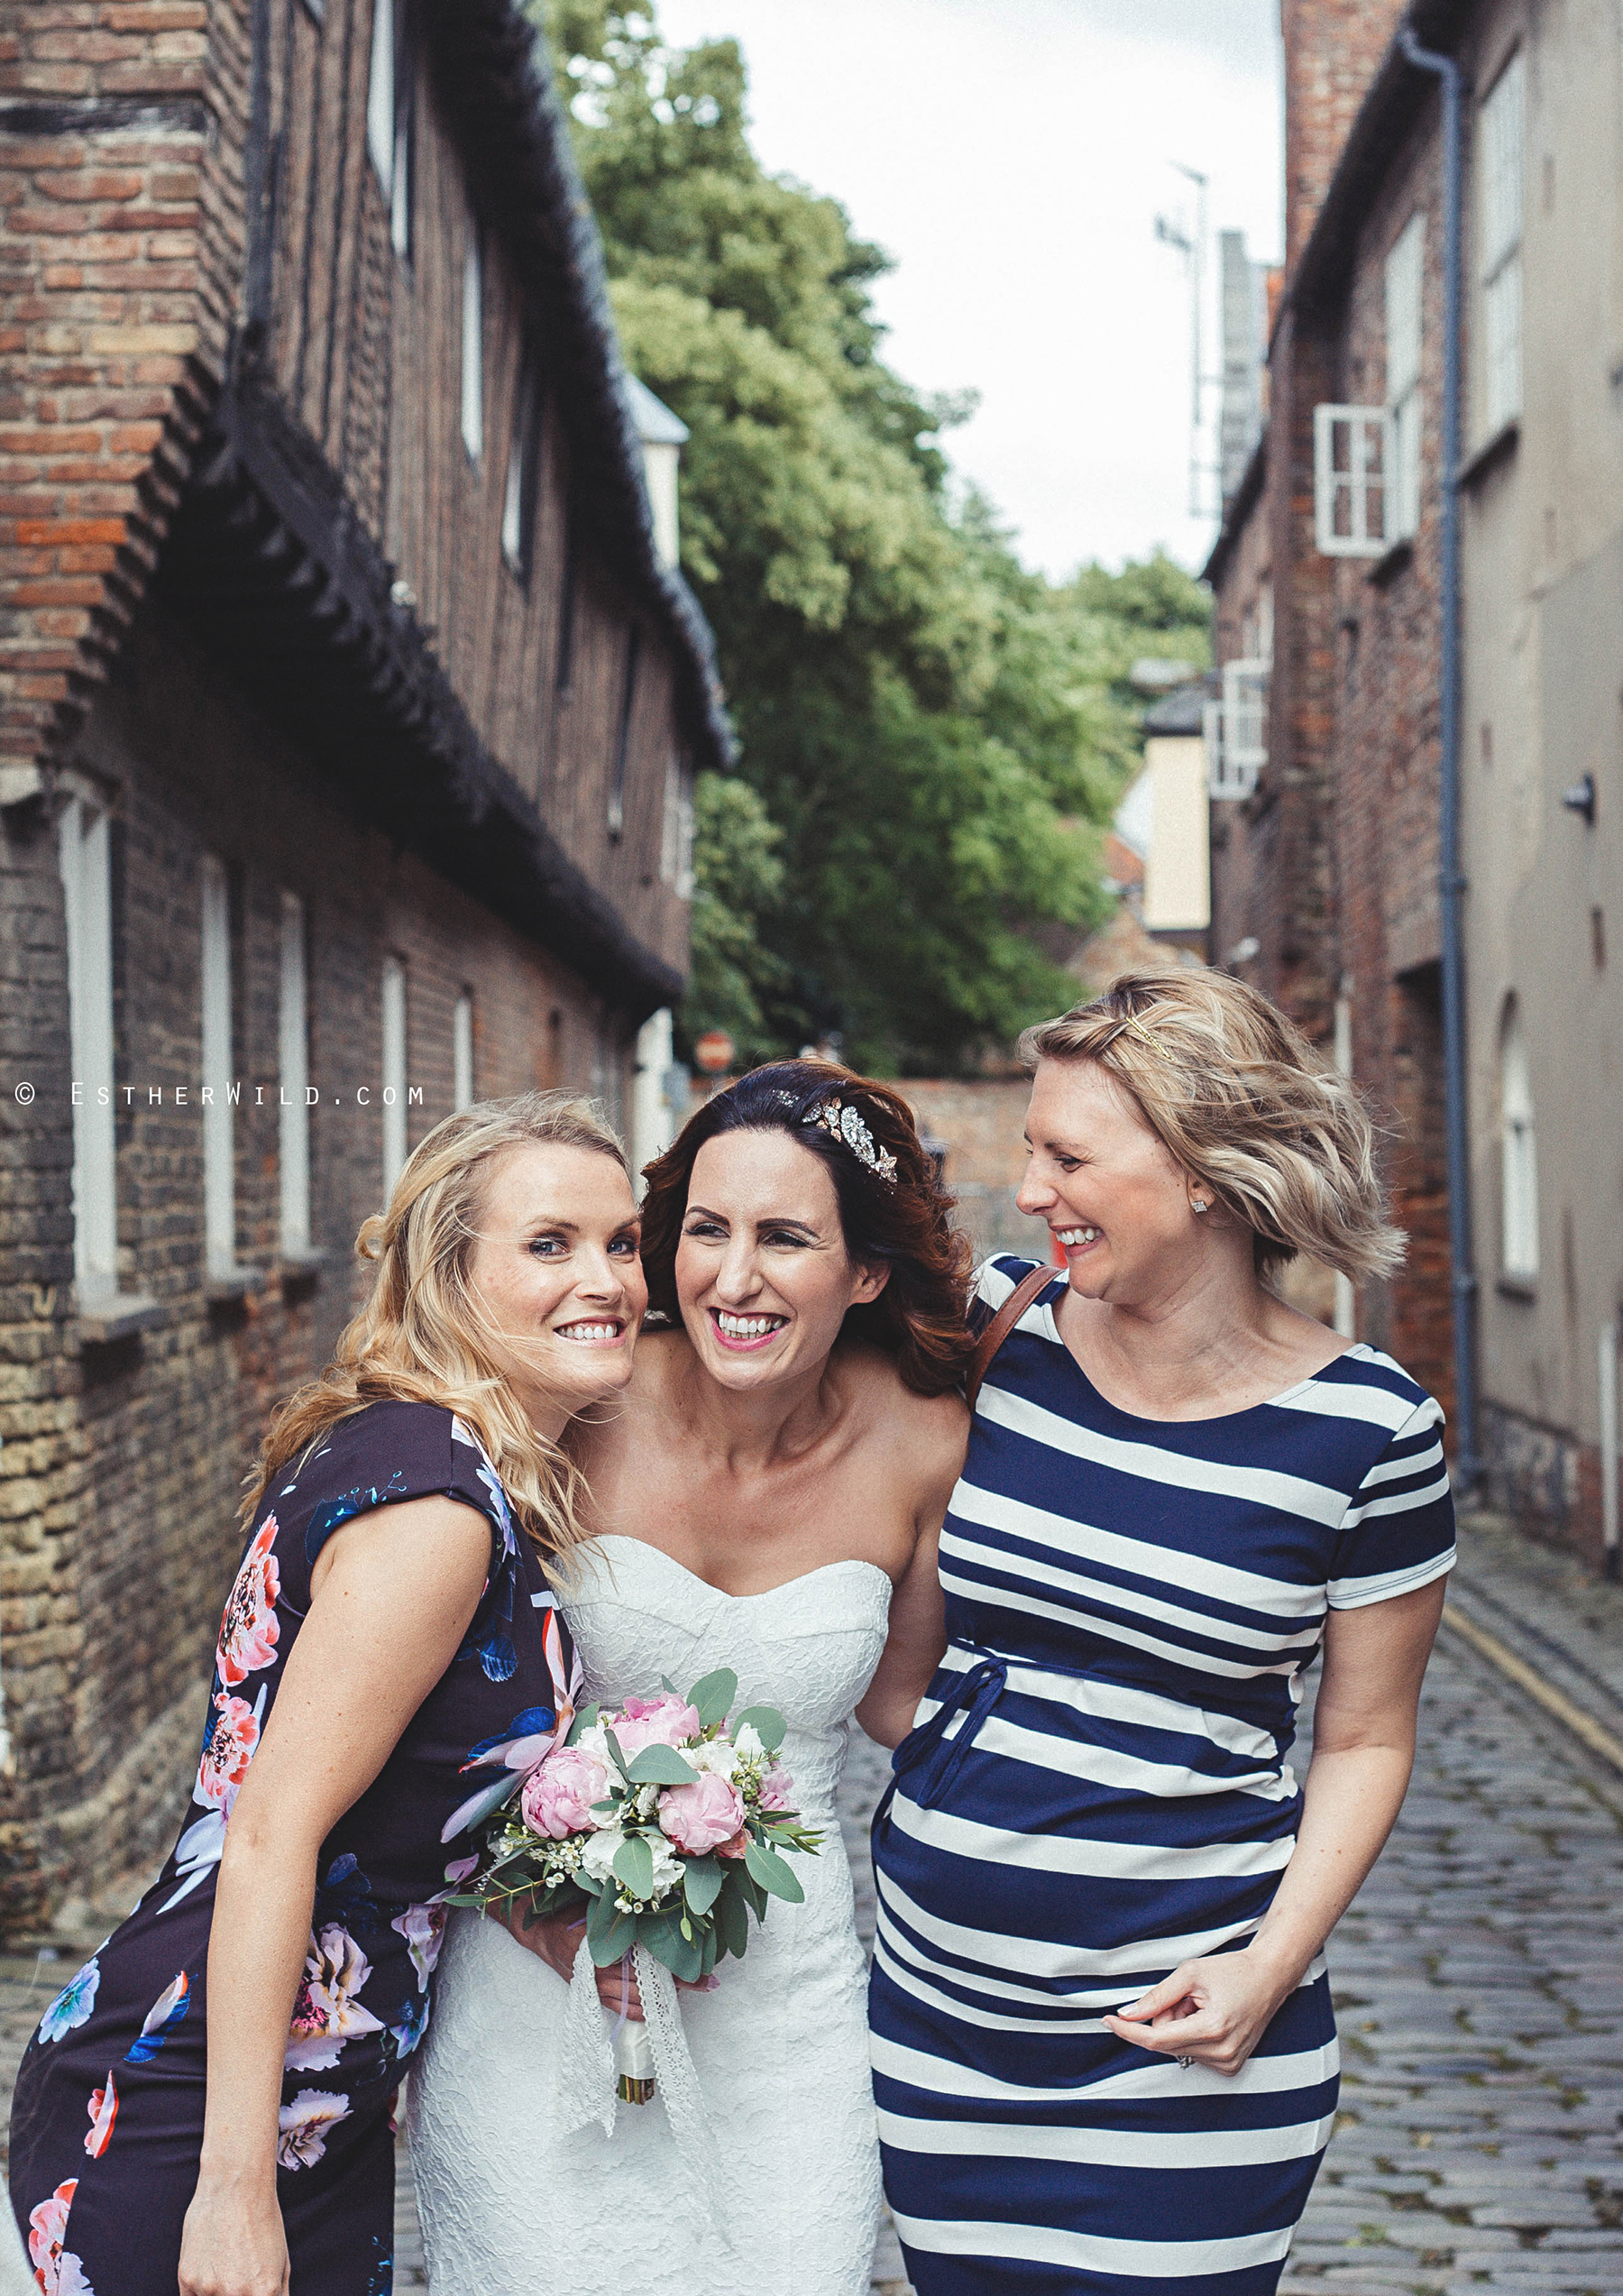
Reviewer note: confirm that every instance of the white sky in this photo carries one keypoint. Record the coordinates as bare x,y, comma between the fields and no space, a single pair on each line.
1012,156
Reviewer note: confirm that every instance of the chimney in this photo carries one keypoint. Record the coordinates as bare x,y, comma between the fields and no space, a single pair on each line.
1332,50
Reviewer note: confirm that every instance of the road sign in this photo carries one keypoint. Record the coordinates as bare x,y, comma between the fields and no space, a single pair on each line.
715,1050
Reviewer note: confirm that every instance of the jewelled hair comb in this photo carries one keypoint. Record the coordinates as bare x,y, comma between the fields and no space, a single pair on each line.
844,1124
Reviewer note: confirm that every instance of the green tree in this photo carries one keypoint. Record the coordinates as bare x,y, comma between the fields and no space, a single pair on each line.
935,733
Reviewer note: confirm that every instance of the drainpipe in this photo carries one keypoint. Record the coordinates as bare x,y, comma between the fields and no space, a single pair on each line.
1450,883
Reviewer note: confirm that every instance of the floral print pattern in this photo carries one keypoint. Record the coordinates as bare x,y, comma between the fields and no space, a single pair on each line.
104,2112
109,2098
423,1927
73,2004
249,1631
55,2270
326,2013
305,2126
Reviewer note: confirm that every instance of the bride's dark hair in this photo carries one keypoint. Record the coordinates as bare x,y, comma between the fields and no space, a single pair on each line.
898,1219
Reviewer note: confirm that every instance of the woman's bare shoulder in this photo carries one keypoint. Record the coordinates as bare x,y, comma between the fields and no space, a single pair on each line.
926,1424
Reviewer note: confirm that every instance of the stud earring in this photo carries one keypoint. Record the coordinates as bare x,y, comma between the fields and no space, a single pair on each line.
1198,1204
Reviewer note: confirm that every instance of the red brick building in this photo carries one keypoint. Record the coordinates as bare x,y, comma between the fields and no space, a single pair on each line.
1325,872
349,709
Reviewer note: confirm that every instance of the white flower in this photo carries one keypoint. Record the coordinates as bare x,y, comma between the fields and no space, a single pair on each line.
597,1855
302,2127
716,1755
748,1743
667,1867
646,1801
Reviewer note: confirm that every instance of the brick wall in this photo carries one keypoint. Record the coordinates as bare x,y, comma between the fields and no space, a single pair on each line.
121,1464
1332,48
120,233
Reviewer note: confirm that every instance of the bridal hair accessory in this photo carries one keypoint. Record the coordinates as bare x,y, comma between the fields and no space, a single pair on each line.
844,1124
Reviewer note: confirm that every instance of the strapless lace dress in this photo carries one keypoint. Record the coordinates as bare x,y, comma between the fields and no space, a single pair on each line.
780,2048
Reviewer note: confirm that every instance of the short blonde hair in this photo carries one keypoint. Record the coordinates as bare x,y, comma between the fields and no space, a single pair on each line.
1237,1096
422,1338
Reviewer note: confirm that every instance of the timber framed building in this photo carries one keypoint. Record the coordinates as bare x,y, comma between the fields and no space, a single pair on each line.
350,704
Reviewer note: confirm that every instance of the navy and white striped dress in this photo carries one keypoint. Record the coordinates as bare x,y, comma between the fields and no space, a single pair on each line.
1097,1791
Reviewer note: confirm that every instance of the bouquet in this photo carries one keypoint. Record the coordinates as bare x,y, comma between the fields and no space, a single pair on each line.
667,1823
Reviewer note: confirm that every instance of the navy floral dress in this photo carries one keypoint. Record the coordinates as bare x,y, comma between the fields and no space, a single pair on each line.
107,2120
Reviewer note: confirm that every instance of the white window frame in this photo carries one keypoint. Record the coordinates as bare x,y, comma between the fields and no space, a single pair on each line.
676,827
461,1051
1351,459
1519,1148
219,1086
393,1010
472,343
388,119
1502,167
84,849
1404,341
1237,729
293,1069
523,470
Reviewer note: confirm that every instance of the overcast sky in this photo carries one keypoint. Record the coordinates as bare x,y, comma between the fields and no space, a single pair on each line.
1011,157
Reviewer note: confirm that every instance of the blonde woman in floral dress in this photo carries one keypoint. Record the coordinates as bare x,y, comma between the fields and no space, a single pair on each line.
207,2104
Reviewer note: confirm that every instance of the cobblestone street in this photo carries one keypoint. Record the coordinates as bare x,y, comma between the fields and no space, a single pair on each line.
1478,1980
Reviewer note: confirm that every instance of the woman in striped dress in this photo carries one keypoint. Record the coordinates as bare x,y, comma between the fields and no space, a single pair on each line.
1104,2048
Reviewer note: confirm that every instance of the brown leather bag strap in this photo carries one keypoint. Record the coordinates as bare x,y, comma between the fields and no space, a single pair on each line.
1002,1323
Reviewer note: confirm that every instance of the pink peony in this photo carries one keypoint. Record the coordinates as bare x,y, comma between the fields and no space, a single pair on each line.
777,1789
736,1846
559,1793
700,1816
664,1721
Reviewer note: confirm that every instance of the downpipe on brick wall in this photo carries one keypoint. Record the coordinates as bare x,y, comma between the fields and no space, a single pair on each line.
1450,883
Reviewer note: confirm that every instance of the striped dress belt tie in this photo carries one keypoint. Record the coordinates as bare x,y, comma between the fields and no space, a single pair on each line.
979,1687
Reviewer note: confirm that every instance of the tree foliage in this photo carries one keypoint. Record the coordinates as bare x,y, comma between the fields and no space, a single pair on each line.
929,735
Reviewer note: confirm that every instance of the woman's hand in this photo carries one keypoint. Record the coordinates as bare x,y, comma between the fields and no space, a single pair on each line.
557,1941
232,2243
1215,2010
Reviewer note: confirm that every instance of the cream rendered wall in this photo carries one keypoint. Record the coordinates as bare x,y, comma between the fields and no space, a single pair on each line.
1177,864
1543,567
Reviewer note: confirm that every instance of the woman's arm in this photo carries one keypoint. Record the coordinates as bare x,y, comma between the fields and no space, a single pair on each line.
395,1589
918,1632
1216,2009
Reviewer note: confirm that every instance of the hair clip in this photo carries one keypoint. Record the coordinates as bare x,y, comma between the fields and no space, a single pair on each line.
1145,1035
844,1124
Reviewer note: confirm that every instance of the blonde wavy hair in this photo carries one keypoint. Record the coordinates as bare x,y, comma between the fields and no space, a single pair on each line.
1239,1098
424,1337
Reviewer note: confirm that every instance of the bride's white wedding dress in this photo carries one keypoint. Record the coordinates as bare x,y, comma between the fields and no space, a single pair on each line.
780,2048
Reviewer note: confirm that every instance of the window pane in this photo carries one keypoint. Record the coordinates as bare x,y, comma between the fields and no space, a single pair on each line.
219,1148
1502,166
461,1051
472,345
84,857
294,1067
1502,311
1405,272
394,1072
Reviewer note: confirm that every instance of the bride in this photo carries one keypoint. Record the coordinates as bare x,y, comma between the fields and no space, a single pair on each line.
769,1498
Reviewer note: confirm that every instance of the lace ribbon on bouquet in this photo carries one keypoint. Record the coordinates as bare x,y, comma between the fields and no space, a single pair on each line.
586,2076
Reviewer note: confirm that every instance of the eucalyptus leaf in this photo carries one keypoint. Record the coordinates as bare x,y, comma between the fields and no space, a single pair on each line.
767,1723
614,1749
660,1766
713,1695
701,1879
634,1863
732,1919
616,1941
584,1720
769,1870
